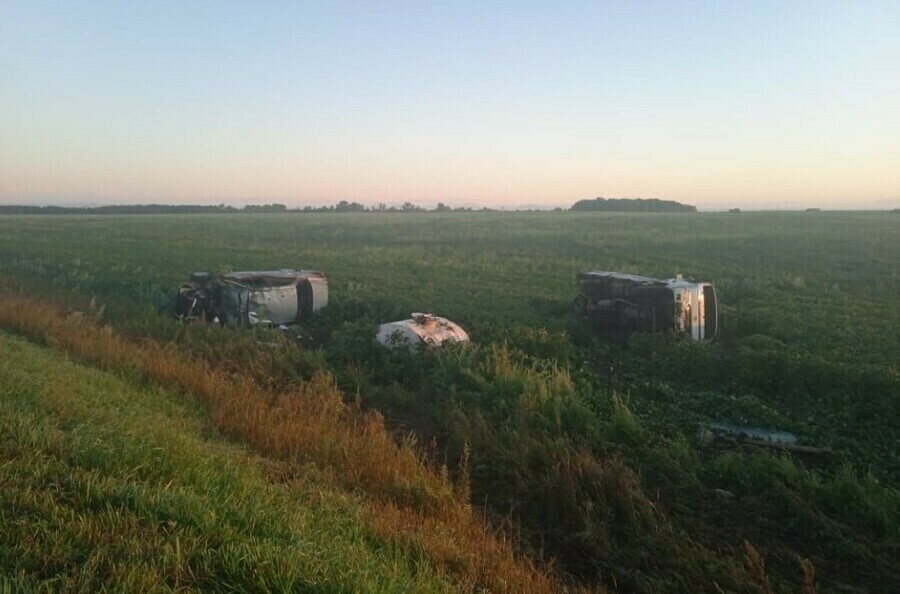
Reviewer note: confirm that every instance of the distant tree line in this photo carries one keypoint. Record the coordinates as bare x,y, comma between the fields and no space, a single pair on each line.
632,205
342,206
134,209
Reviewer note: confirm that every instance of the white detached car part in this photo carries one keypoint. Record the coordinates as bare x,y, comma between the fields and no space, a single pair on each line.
421,329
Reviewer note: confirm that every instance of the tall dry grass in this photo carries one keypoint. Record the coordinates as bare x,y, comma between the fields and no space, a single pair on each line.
410,502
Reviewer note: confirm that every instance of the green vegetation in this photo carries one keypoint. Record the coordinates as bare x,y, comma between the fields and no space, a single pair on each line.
587,449
111,485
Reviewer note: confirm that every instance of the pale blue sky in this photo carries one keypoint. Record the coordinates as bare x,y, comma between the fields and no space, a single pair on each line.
751,104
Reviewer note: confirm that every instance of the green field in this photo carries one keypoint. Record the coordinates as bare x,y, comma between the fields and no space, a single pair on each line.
584,448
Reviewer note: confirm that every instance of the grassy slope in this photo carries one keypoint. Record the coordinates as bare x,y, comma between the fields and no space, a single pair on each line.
108,484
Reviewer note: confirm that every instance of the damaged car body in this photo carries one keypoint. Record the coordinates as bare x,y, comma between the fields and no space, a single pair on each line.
619,304
250,298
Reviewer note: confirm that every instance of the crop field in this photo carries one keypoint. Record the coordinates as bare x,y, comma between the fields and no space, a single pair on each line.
579,453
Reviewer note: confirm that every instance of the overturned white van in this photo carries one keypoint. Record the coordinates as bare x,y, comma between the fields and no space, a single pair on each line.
421,329
619,304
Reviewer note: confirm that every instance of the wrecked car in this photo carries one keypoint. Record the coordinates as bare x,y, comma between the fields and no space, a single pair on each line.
421,329
619,304
242,299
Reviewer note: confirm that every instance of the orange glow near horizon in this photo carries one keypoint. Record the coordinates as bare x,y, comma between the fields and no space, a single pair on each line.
762,106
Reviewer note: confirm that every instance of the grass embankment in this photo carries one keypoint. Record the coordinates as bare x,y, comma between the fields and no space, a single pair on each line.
111,485
407,503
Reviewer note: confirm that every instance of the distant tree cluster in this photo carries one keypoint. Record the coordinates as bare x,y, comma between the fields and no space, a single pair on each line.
632,205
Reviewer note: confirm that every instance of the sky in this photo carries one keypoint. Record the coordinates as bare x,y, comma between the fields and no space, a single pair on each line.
505,104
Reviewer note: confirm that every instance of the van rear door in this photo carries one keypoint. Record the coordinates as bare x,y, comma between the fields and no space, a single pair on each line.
711,312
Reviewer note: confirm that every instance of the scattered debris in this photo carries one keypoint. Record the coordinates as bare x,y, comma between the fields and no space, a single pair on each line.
757,433
705,437
723,494
273,297
619,304
421,329
755,436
